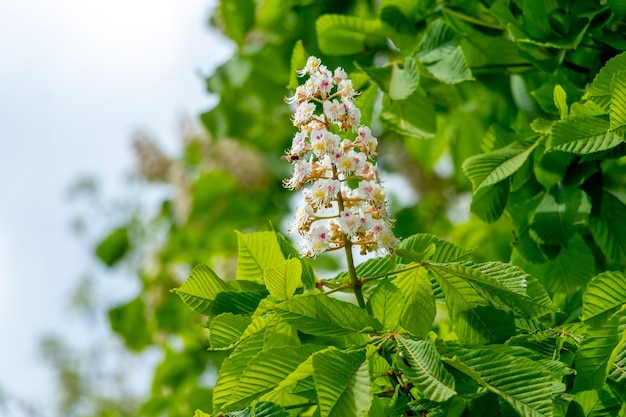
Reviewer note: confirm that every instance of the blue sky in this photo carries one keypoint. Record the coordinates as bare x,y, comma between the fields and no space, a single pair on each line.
77,79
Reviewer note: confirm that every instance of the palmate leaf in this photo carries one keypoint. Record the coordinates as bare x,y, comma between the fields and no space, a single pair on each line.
488,169
386,302
517,380
600,90
265,371
321,315
347,35
342,382
597,352
582,135
424,369
257,251
605,294
419,310
289,252
200,290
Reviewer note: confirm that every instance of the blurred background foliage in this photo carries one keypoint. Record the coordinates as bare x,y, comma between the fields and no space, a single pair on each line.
480,63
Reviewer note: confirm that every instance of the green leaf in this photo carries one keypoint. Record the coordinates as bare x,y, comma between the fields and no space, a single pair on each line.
560,212
596,353
113,247
342,383
560,101
298,61
413,117
600,90
571,269
237,302
366,102
129,321
226,329
607,224
440,52
233,368
473,318
489,202
288,251
605,294
488,169
424,369
199,413
582,135
386,303
283,279
347,35
420,245
517,380
617,111
200,290
419,310
257,251
598,403
284,389
321,315
403,81
265,372
238,18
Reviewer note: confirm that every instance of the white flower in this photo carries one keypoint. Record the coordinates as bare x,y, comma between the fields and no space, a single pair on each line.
324,191
339,75
346,90
298,144
318,239
364,136
349,222
301,171
304,217
303,113
334,110
353,112
312,64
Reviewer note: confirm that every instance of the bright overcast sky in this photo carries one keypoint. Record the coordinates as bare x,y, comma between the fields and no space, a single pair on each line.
77,78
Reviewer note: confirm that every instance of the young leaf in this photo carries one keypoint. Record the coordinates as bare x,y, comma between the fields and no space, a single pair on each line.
342,383
257,251
605,294
283,279
488,169
582,135
517,380
560,101
288,251
321,315
440,52
347,35
200,290
600,90
419,310
386,303
424,369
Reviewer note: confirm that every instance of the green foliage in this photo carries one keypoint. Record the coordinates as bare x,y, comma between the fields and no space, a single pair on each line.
518,106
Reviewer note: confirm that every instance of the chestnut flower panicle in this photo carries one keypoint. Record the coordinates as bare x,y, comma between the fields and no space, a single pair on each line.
344,203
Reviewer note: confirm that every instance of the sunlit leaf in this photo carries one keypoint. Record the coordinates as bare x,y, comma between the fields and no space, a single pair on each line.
419,310
226,329
283,279
342,383
257,251
386,302
583,135
200,290
605,294
600,90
